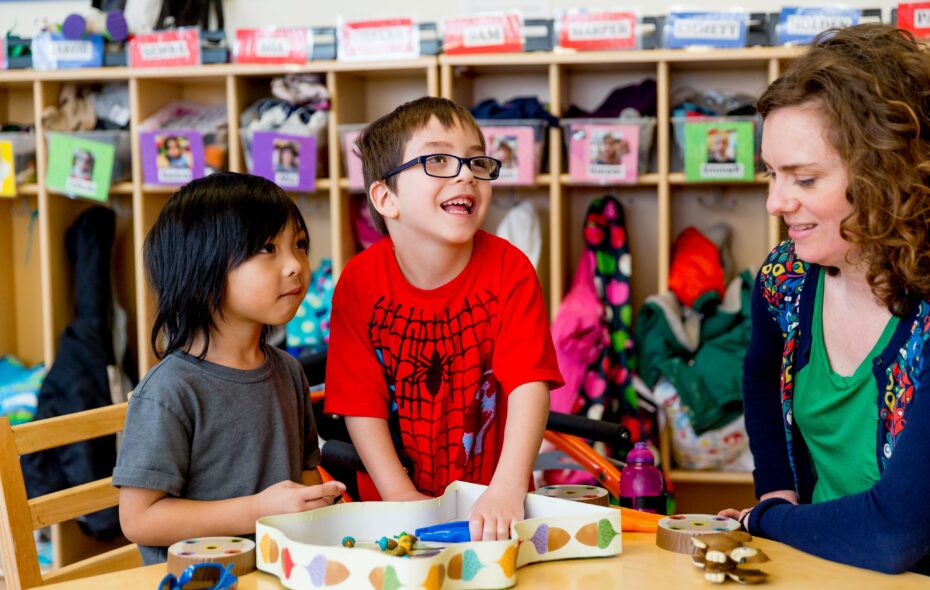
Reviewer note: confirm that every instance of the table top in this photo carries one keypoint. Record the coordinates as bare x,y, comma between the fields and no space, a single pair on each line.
641,565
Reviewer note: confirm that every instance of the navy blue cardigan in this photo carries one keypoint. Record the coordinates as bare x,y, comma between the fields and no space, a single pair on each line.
885,528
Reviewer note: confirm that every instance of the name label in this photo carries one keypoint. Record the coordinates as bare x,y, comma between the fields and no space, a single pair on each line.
492,33
397,38
590,31
176,48
712,29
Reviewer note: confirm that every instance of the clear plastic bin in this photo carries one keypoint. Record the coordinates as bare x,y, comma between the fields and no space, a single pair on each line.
24,154
599,147
717,140
519,145
119,139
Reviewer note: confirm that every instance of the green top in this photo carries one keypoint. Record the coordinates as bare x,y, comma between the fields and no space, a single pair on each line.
838,415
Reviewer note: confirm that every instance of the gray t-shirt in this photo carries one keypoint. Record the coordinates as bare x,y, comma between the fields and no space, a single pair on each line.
202,431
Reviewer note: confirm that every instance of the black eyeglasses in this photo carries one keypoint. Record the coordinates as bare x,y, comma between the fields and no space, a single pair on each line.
449,166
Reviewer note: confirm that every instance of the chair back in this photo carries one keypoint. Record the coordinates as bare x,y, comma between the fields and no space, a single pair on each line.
20,516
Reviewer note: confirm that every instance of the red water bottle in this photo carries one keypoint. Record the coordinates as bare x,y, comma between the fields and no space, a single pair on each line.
641,484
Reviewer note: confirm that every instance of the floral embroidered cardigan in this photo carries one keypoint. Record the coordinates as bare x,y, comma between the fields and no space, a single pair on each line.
885,528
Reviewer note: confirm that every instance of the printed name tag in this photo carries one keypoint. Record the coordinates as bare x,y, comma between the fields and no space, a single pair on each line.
378,39
493,33
712,29
273,46
801,25
51,51
915,17
180,47
587,31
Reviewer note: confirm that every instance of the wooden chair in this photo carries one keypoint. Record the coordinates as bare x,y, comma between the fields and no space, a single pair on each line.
19,517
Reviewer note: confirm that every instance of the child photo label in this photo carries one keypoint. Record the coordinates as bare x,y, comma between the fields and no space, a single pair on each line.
600,153
717,151
79,167
515,147
171,156
287,160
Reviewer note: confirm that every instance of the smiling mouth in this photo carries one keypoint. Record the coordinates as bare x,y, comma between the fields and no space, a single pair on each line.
292,292
459,205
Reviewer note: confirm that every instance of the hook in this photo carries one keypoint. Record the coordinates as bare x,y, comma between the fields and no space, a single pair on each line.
21,207
718,201
507,199
116,203
310,207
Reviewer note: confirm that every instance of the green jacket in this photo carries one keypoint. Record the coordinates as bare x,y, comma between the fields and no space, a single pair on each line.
699,350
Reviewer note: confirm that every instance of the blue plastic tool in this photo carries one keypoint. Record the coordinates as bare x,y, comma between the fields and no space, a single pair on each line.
447,532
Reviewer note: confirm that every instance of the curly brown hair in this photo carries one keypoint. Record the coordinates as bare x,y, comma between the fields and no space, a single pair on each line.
872,84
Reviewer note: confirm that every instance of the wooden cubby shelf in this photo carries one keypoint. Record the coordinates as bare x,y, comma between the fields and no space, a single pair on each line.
36,299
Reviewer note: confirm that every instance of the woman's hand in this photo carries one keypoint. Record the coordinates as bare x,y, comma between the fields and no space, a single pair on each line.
494,513
739,515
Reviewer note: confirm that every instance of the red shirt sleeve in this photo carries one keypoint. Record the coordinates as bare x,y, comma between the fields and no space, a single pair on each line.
355,384
523,352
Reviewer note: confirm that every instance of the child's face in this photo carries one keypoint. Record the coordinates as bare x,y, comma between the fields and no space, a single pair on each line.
443,211
172,148
719,144
268,287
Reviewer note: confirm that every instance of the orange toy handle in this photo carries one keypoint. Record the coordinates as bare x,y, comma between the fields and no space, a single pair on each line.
603,470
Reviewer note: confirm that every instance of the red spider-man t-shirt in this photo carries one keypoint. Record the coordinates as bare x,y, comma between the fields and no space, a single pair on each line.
439,364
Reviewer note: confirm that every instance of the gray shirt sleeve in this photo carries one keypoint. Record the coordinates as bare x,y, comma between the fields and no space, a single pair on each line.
155,450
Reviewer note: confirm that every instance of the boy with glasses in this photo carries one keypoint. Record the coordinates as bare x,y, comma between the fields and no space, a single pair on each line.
440,328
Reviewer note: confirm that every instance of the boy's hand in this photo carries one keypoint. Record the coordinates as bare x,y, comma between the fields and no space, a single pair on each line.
286,497
494,513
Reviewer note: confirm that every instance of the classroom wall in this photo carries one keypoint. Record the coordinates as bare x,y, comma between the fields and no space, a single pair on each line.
24,16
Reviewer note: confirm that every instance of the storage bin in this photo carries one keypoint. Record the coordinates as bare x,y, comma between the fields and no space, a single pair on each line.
716,149
608,150
518,144
24,154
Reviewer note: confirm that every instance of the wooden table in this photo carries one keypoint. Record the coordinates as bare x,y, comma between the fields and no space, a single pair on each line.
641,565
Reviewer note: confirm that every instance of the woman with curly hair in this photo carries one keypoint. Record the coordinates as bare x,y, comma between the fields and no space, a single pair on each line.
836,379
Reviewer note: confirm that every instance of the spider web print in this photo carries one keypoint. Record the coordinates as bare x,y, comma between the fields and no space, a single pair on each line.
443,393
